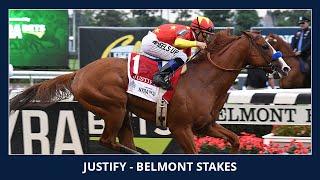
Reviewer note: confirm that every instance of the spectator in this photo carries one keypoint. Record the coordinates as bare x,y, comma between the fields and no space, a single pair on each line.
301,42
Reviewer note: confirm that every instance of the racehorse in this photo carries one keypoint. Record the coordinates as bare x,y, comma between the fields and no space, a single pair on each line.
295,78
200,93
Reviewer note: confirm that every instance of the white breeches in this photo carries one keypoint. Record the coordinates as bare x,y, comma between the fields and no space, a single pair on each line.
152,46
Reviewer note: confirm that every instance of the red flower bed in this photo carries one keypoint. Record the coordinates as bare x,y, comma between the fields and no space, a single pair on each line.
249,144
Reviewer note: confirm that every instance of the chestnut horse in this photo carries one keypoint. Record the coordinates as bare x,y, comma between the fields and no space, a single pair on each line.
200,94
295,78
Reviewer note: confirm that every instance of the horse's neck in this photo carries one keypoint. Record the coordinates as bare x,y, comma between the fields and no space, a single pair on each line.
233,56
285,48
292,62
220,80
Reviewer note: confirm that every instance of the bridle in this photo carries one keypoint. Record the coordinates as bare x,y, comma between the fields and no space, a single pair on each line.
219,67
251,43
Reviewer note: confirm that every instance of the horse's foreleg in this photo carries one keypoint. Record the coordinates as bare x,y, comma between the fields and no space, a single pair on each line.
218,131
126,134
184,137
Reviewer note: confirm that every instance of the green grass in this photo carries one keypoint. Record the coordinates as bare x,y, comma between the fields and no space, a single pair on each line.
151,145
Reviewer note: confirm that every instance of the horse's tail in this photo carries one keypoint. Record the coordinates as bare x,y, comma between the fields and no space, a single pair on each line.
45,93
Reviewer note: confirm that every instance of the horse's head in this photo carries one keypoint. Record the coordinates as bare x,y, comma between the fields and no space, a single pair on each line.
262,54
272,39
296,78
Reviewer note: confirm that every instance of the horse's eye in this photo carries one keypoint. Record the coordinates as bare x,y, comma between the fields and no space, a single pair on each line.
265,46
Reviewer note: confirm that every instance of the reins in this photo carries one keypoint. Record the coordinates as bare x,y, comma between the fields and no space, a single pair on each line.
237,69
219,67
228,69
234,69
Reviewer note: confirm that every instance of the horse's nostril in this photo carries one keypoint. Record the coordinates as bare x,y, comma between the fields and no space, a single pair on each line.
286,69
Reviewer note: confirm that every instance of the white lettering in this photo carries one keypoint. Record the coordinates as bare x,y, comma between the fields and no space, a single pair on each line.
103,166
15,31
143,127
67,117
93,123
139,166
28,135
13,117
218,166
164,166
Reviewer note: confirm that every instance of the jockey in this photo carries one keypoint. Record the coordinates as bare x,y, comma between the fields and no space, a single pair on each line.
173,42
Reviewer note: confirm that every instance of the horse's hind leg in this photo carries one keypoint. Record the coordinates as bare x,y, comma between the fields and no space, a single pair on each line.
126,133
113,123
113,117
218,131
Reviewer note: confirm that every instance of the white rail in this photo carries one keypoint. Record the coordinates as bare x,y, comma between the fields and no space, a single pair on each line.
37,74
52,74
32,75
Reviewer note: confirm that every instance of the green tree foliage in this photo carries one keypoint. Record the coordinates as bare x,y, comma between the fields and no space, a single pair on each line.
245,19
110,18
288,17
221,18
184,16
147,18
85,17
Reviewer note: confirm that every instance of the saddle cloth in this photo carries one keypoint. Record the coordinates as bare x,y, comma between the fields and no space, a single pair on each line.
140,74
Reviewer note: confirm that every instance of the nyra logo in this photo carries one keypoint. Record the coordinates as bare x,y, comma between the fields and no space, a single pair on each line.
32,130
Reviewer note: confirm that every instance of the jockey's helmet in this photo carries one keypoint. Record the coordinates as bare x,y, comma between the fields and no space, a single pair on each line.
203,24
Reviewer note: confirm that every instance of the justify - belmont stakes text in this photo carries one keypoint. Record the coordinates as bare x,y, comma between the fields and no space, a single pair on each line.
92,167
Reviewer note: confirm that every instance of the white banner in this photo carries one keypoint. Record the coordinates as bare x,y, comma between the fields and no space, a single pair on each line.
265,114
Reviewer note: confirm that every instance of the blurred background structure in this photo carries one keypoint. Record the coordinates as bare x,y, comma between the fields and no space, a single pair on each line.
64,34
239,19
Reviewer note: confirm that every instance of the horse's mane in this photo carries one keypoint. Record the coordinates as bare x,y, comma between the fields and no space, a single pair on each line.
220,41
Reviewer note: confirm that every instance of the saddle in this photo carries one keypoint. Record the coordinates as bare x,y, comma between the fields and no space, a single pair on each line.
141,69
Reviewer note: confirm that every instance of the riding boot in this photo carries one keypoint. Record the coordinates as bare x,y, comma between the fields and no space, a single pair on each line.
161,78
